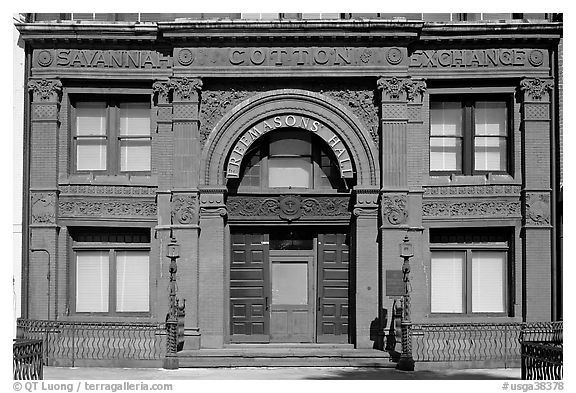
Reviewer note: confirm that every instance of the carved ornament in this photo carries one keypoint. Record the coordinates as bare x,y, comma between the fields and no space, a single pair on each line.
536,87
184,209
106,208
163,89
472,208
45,89
186,88
537,209
363,105
391,86
214,106
414,88
394,208
288,207
83,189
472,190
43,208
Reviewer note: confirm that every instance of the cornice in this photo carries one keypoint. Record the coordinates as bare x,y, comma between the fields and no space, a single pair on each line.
476,31
78,31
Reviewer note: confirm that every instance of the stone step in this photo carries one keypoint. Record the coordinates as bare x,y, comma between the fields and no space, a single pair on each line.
285,356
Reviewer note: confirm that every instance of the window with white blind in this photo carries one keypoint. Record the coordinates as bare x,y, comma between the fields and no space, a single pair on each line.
469,136
112,135
111,270
469,271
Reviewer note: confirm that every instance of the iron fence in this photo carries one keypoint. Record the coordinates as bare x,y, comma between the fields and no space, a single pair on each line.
27,359
466,342
542,351
66,342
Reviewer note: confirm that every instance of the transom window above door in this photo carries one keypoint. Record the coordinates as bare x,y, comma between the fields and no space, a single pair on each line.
291,159
111,135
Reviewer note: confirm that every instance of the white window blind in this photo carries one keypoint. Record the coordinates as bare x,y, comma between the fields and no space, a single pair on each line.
488,268
491,125
445,136
135,146
92,281
447,268
90,136
132,281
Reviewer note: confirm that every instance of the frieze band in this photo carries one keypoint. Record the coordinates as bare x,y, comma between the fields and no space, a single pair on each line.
288,207
106,208
472,190
471,209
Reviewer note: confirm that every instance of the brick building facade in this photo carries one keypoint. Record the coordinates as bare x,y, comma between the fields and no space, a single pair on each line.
288,159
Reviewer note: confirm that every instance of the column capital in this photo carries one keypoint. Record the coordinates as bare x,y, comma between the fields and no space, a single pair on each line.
414,89
186,89
45,90
396,89
535,88
163,88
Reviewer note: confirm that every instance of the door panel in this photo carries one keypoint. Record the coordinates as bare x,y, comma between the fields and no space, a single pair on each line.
333,288
249,314
292,309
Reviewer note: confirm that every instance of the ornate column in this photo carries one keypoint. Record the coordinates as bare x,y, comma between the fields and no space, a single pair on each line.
212,266
365,235
46,95
184,203
536,198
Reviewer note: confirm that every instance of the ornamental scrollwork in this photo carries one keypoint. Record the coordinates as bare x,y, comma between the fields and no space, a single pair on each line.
43,208
186,88
538,209
98,208
184,209
214,106
287,207
475,208
536,88
394,209
45,89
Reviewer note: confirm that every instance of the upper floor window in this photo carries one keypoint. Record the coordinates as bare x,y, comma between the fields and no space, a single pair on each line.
291,159
112,135
469,136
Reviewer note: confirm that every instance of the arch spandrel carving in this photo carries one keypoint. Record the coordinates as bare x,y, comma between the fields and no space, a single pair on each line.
334,116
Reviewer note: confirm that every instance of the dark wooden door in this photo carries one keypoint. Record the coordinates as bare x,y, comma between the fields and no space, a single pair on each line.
333,288
249,288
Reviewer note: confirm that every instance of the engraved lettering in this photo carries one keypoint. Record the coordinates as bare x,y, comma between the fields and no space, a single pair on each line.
257,57
458,60
431,59
117,58
333,141
476,59
339,152
267,127
277,121
244,141
492,56
147,59
506,57
304,122
321,56
63,59
254,133
234,161
315,125
444,58
519,57
134,59
290,121
238,150
99,59
236,56
302,56
280,52
342,54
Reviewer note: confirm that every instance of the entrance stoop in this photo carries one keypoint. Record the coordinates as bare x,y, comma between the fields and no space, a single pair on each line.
285,355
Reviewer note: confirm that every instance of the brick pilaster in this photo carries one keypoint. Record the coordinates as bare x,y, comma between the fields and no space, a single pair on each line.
42,266
212,266
536,198
365,248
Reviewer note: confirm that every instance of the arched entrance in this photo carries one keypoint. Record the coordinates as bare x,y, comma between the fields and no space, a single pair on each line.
290,161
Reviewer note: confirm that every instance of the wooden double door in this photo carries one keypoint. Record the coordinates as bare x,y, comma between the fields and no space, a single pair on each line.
289,286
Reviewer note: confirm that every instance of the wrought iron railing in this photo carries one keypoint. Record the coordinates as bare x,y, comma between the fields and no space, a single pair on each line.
466,342
27,359
67,342
487,342
542,351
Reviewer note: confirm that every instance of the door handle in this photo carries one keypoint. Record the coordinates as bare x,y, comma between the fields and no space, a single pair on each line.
267,303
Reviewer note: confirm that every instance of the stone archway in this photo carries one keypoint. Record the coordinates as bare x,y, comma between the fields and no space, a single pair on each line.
314,106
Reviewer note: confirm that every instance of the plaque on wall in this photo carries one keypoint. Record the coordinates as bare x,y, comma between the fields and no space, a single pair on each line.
394,283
